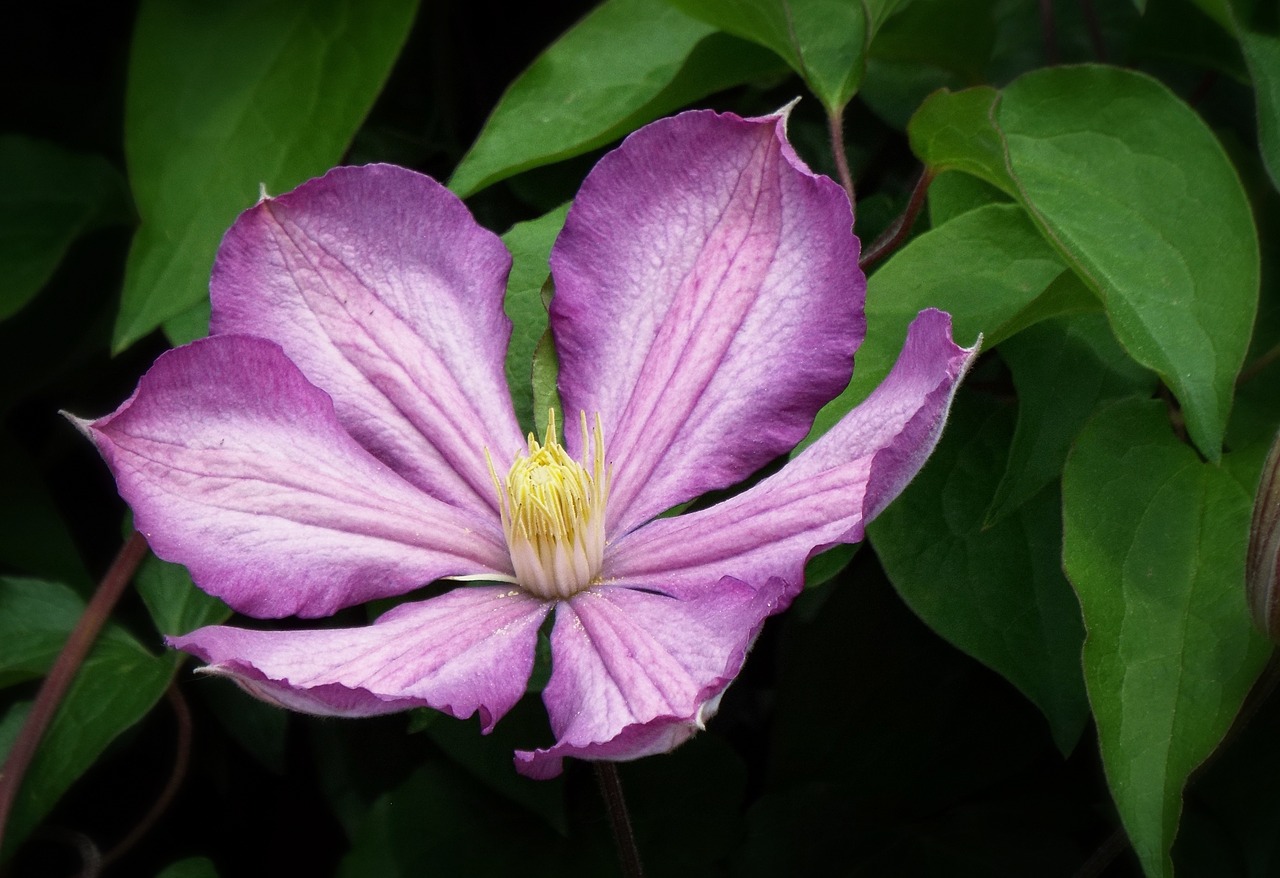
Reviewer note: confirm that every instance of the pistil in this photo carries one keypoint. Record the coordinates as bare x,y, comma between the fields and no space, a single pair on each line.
553,510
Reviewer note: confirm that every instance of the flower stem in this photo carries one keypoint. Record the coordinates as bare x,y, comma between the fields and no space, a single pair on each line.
835,123
64,670
181,761
619,819
892,237
1049,33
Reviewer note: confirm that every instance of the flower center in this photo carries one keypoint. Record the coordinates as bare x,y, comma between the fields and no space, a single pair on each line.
553,513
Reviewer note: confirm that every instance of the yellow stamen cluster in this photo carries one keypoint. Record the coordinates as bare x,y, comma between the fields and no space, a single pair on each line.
553,513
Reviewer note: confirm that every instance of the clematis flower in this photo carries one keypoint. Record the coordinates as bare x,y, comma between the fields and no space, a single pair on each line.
346,434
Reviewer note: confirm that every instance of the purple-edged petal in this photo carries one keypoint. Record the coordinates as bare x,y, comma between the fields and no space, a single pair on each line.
470,650
237,467
708,302
634,742
381,287
633,673
826,495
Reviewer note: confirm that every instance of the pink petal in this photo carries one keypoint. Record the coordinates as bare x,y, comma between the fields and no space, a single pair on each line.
826,495
468,650
236,467
380,286
635,673
708,302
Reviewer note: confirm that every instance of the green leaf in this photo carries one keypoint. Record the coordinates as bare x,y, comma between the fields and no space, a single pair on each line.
1065,296
996,592
952,193
175,604
984,267
205,127
35,618
1219,10
1136,195
1063,370
625,64
530,245
953,35
546,371
1154,543
117,686
824,41
189,325
823,567
931,44
1262,54
50,197
958,131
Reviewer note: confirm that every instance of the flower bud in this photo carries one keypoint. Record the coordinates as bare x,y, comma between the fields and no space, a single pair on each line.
1262,565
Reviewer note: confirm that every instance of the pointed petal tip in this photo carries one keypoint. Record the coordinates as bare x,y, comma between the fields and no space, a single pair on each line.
84,425
780,115
466,653
681,652
764,244
636,741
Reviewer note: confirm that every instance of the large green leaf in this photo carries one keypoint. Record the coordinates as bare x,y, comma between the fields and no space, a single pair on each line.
1134,192
35,618
175,604
50,196
625,64
932,44
117,685
206,127
985,267
1154,543
1063,370
997,592
1262,54
825,41
530,246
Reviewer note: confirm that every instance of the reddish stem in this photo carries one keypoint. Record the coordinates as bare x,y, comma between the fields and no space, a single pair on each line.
619,818
891,238
181,760
1049,31
64,671
835,123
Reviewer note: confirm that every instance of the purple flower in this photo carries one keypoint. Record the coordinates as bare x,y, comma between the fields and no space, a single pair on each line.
346,434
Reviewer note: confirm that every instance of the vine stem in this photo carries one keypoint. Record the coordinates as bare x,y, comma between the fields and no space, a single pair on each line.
181,761
619,820
64,669
1049,33
892,237
835,124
